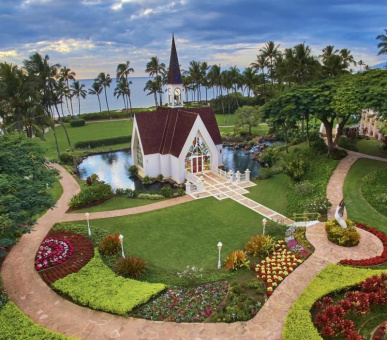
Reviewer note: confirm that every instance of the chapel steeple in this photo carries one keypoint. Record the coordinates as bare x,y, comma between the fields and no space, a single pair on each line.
175,83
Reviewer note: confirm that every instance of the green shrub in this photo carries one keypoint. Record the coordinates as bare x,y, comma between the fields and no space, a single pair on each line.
133,170
129,266
146,180
265,173
180,192
333,278
295,166
105,115
110,245
3,298
347,143
167,192
260,245
77,122
98,287
102,142
338,153
319,146
236,259
319,204
346,237
153,197
14,325
304,188
66,158
97,234
89,195
130,193
160,177
275,230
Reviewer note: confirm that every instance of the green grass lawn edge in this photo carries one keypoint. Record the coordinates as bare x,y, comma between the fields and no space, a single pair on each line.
298,323
15,325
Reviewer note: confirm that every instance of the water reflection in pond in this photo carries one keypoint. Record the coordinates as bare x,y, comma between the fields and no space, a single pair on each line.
113,167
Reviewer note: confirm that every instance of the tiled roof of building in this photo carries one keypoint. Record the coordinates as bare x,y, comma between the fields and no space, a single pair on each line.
174,75
166,130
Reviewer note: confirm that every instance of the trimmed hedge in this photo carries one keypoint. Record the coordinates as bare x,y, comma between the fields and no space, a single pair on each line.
97,234
97,287
90,195
104,115
15,325
102,142
298,323
77,122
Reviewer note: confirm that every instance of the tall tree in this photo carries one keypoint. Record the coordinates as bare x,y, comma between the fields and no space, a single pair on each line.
123,72
270,51
247,115
383,43
66,75
152,87
78,90
122,90
96,90
155,68
104,80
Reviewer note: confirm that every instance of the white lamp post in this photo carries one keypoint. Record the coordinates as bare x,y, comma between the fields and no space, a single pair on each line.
121,237
264,221
88,223
220,248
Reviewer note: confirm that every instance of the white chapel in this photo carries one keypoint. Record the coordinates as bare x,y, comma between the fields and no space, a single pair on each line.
174,141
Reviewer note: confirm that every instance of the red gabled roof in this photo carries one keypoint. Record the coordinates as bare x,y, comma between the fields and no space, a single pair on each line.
166,130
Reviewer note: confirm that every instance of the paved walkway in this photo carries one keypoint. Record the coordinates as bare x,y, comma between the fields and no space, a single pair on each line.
221,189
48,309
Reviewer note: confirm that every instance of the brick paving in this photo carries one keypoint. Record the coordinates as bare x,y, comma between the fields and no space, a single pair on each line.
45,307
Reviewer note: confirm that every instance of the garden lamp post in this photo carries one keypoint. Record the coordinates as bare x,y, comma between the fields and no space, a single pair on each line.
88,223
121,237
220,248
264,221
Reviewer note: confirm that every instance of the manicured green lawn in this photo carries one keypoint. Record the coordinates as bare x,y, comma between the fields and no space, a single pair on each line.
56,190
272,192
117,203
370,147
359,210
91,131
187,234
225,119
259,130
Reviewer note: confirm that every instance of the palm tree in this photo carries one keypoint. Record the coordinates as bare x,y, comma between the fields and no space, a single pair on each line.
152,87
96,89
361,63
195,72
203,76
104,80
347,57
270,51
215,76
334,66
227,84
236,81
328,51
78,90
65,75
260,64
123,71
155,68
122,90
249,79
383,43
304,65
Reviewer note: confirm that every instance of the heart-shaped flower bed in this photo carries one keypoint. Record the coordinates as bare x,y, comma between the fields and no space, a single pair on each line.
274,268
53,251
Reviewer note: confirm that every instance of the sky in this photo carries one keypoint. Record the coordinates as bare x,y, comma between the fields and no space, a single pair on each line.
93,36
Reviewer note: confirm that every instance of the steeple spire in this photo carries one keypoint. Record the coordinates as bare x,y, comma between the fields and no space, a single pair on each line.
174,75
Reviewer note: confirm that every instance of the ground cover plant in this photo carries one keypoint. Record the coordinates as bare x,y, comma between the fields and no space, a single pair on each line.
346,237
15,325
374,190
181,304
97,287
333,278
360,210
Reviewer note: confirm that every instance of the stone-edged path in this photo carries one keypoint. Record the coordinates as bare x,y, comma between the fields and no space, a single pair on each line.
43,306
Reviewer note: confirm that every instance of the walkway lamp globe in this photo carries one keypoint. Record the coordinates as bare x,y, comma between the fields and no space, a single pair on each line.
88,223
219,248
264,221
121,237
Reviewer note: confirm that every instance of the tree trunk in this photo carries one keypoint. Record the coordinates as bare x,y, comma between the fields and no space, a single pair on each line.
328,130
107,102
99,102
284,129
79,106
56,139
155,94
62,123
221,99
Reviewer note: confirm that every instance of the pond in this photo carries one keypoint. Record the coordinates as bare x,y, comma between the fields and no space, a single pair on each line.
113,167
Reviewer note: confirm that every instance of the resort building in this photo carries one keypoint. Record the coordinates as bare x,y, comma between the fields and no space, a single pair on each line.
175,141
370,125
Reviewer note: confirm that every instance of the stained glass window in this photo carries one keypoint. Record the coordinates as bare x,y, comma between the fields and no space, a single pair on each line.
198,157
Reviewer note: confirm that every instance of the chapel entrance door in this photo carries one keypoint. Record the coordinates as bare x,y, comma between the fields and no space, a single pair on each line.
194,165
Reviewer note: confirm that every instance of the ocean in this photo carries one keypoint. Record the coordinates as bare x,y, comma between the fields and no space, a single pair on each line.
138,97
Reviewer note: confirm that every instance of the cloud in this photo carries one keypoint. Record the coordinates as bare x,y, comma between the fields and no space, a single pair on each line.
11,53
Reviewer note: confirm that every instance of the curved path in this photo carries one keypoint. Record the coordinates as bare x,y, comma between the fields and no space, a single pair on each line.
43,306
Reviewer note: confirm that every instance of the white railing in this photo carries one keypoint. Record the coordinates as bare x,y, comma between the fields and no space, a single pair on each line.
191,177
243,177
237,177
222,173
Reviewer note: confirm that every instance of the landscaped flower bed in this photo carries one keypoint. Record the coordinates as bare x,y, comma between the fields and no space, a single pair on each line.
374,260
69,252
274,268
336,319
185,304
381,332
